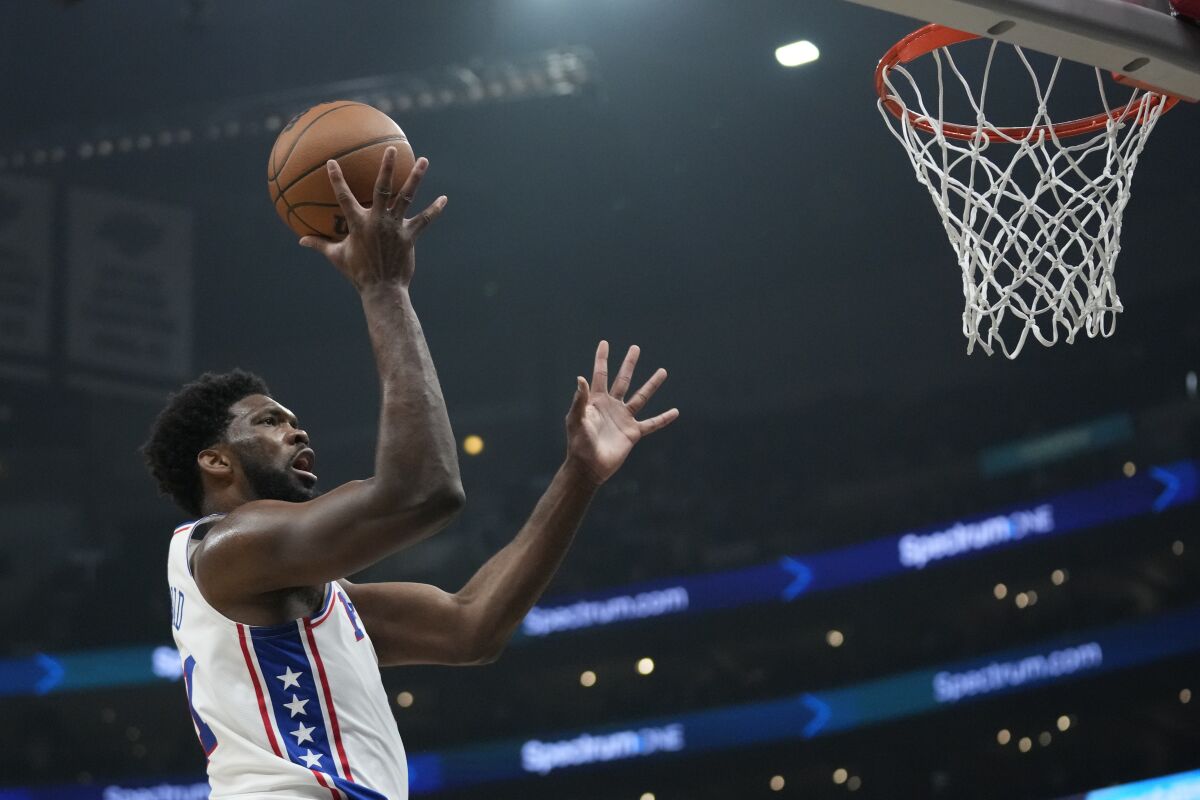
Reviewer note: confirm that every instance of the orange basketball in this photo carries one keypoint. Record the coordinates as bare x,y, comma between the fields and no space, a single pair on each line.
353,133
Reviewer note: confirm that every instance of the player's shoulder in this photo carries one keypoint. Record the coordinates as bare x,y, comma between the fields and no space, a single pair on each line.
253,530
247,519
221,531
261,519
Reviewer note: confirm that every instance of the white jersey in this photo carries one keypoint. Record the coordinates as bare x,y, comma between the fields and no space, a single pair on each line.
295,710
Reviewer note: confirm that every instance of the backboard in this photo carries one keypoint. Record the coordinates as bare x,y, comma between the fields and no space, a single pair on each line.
1140,39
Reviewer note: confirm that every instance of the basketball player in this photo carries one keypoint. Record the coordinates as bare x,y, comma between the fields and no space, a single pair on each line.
281,653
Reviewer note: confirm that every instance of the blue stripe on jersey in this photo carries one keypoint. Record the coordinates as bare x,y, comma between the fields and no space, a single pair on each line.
207,739
325,605
293,695
356,791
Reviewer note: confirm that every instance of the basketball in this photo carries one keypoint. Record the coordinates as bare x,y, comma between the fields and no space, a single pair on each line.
356,135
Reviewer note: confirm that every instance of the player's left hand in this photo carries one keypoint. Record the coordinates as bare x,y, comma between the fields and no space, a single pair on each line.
602,426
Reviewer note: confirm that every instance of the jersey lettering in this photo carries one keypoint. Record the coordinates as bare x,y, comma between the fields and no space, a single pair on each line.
177,598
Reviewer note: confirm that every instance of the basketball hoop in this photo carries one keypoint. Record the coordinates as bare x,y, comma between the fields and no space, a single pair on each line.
1036,258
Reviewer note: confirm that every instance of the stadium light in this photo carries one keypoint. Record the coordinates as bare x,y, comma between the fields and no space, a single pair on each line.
797,53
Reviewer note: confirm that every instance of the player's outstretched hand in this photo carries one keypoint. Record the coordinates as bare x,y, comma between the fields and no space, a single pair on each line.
379,248
602,426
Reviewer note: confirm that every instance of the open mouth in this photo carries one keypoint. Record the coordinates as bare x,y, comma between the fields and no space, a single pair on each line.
303,465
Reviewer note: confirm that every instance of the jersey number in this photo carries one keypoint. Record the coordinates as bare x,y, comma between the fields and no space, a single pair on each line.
177,598
352,613
207,740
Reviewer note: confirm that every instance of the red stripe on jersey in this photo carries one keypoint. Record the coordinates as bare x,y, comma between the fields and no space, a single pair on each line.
258,692
321,780
333,723
327,610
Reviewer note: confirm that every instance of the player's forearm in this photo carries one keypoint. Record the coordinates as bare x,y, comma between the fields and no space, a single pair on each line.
501,593
415,456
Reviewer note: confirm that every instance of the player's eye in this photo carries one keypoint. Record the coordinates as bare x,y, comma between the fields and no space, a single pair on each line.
269,420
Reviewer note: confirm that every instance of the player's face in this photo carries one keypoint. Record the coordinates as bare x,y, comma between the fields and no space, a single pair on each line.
272,449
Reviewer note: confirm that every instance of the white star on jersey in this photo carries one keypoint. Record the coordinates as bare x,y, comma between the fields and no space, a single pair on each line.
297,706
303,734
289,678
312,759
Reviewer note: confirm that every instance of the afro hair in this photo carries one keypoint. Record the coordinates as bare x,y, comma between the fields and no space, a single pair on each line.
196,417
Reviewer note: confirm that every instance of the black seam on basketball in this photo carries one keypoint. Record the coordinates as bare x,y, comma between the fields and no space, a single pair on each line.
290,213
300,135
363,146
313,204
307,224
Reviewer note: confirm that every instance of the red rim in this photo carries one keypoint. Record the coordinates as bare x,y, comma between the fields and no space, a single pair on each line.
931,37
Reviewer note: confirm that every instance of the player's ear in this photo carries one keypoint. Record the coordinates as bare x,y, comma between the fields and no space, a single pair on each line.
215,462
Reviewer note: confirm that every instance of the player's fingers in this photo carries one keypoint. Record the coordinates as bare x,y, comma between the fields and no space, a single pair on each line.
625,374
649,426
643,395
580,400
408,190
383,182
341,190
421,221
318,243
600,368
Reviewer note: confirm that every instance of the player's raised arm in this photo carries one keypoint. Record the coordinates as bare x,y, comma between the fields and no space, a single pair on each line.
267,545
416,623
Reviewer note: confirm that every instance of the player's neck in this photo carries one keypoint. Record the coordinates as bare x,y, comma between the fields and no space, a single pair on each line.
221,503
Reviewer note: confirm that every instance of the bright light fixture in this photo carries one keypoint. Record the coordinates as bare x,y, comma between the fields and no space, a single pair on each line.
797,53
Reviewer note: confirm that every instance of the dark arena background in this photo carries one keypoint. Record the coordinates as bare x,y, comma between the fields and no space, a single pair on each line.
863,563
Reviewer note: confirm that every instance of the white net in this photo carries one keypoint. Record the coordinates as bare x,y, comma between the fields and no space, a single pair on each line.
1034,218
